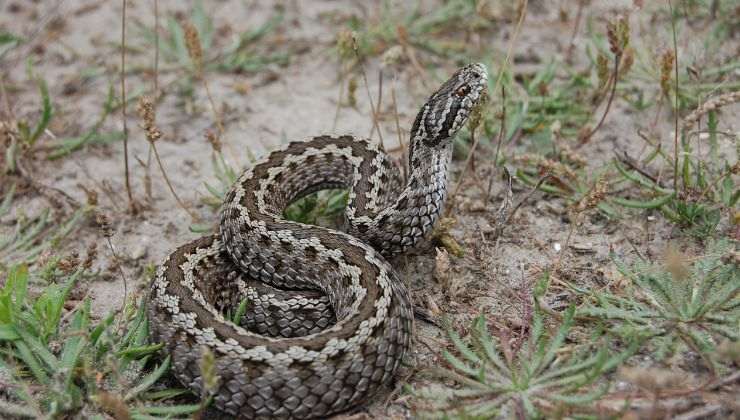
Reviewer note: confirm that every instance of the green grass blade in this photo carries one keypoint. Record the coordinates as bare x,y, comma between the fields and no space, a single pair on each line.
168,410
46,113
39,349
539,365
148,380
24,353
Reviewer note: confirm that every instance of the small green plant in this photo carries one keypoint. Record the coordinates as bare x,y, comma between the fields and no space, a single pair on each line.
60,363
544,375
321,208
678,306
24,134
64,146
8,41
225,175
32,235
421,30
173,46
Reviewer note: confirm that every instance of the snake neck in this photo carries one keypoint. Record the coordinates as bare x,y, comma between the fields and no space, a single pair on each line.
412,215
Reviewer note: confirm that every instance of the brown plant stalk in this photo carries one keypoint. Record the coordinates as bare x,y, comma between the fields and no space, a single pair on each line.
510,48
132,206
147,113
195,51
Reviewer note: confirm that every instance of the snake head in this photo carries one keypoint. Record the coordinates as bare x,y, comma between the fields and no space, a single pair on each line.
448,108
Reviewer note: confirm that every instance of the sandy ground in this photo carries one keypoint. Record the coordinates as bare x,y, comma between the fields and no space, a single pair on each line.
298,101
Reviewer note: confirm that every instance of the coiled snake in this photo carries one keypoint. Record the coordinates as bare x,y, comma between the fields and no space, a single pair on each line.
328,320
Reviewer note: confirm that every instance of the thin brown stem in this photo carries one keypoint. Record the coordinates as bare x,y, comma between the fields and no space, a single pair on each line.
169,184
117,261
612,93
374,111
503,126
510,48
219,121
576,25
155,94
404,152
675,110
123,109
339,101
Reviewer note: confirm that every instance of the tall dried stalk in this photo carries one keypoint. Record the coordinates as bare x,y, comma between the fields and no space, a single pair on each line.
401,143
618,36
675,110
155,94
510,48
132,207
195,51
373,109
148,116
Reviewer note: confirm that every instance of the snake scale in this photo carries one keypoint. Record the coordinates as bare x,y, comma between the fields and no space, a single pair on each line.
328,321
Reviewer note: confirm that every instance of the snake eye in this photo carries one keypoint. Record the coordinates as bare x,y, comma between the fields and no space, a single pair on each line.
462,90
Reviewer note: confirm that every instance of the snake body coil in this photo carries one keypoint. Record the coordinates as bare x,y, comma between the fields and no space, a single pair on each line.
328,320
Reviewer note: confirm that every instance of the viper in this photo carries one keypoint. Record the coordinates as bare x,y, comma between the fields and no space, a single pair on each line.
328,320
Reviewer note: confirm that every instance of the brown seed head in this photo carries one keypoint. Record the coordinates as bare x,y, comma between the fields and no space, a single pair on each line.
352,92
213,139
595,196
602,70
145,109
666,68
192,43
104,224
346,44
618,34
91,256
69,263
628,59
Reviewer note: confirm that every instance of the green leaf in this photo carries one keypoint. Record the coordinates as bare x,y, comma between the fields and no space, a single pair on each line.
557,341
169,410
459,364
24,353
240,311
8,41
140,351
46,113
148,380
8,333
651,204
39,349
580,399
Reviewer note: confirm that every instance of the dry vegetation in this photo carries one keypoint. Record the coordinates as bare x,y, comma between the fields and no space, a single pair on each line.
588,264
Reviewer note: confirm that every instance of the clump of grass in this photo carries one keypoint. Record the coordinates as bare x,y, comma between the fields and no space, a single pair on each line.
324,208
20,136
679,306
33,235
417,31
64,146
547,375
60,362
